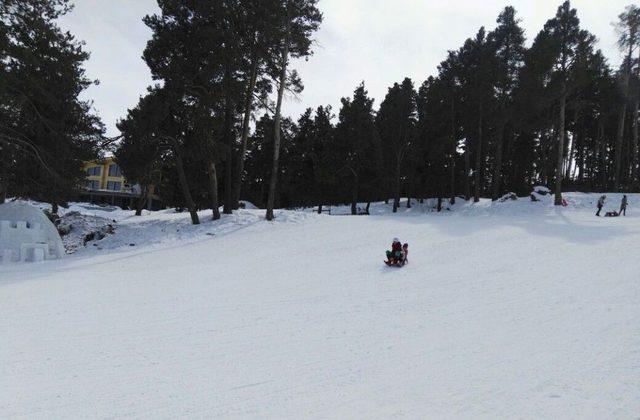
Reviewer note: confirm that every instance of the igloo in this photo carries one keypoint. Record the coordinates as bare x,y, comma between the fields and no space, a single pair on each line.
26,234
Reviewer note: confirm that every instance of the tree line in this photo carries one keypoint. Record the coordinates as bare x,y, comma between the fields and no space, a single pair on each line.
499,116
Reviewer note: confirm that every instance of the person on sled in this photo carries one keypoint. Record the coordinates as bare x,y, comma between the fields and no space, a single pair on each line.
395,255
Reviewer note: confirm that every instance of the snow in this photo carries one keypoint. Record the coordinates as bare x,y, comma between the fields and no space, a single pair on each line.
508,310
541,189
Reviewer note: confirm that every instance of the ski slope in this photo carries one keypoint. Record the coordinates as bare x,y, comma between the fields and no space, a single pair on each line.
506,310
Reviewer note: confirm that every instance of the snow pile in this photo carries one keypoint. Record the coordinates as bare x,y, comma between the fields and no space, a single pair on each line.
87,228
541,190
508,196
247,205
78,229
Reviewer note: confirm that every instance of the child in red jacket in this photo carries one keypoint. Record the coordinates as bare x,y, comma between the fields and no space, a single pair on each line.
395,255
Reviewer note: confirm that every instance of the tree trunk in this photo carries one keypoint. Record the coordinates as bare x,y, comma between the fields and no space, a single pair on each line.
636,163
228,140
497,170
396,195
3,192
601,156
188,199
558,188
213,189
452,174
579,170
572,147
54,207
467,169
319,208
636,115
454,150
408,201
477,172
248,102
366,210
271,198
439,204
142,200
619,139
354,197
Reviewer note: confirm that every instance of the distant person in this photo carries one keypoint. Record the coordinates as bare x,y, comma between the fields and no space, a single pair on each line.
601,204
623,206
395,255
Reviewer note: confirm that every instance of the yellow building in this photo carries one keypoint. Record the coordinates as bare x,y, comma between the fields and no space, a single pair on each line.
106,185
105,175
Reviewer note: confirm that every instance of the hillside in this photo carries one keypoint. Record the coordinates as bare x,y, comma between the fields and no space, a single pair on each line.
506,310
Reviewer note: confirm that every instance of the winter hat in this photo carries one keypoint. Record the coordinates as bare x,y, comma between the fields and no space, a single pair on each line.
396,240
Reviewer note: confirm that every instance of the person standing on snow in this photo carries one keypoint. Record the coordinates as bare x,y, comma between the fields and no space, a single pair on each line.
623,206
395,254
601,204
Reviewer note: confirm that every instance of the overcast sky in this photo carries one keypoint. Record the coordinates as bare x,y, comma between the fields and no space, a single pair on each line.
375,41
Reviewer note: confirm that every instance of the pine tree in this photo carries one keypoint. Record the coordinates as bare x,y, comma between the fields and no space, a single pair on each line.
46,131
258,44
160,125
298,20
477,78
628,28
356,153
396,122
564,35
433,138
507,46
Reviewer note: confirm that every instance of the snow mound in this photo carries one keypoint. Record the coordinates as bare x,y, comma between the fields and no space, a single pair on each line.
26,234
508,196
541,189
247,205
164,228
78,229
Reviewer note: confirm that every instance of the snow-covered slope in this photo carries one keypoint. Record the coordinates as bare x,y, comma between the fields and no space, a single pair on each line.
510,310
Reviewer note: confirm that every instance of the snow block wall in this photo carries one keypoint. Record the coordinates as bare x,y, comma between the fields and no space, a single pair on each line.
26,234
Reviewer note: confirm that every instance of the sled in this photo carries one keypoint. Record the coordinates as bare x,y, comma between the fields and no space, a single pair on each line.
396,264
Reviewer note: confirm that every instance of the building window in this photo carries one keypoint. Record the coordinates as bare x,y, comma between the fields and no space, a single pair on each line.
94,171
114,185
93,185
114,170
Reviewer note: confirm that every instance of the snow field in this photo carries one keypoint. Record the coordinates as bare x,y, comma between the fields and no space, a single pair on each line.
516,310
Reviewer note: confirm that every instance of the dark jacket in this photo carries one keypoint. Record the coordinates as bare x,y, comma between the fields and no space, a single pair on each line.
396,246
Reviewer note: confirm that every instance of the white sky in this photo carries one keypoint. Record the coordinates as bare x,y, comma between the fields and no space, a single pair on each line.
378,41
